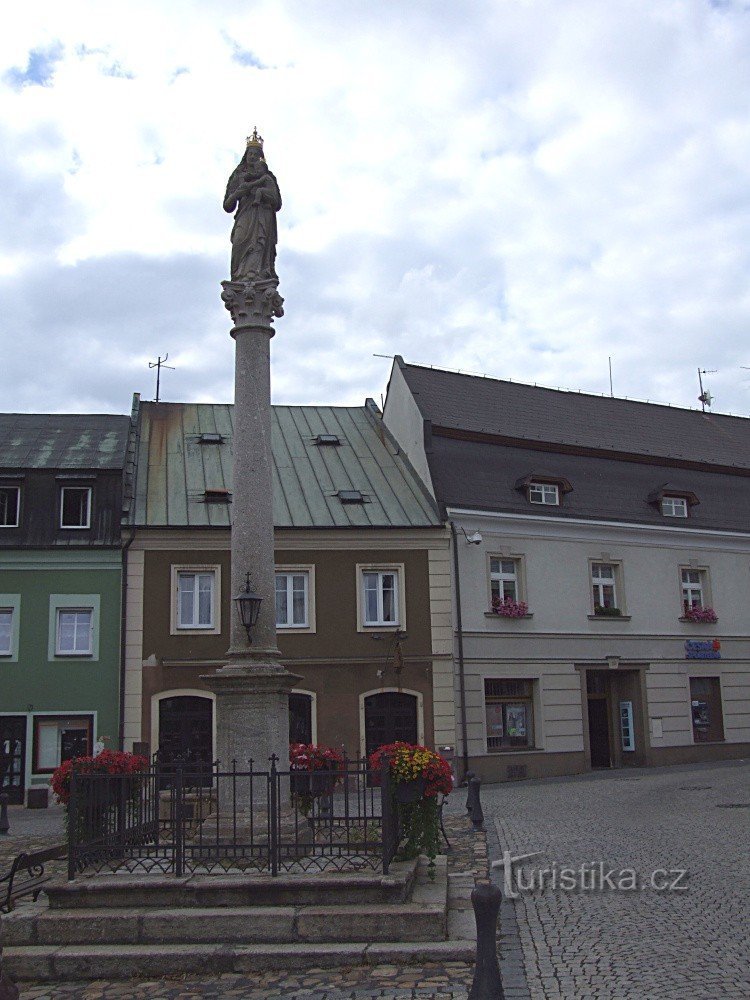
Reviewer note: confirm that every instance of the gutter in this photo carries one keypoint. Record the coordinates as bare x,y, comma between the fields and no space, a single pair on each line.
461,674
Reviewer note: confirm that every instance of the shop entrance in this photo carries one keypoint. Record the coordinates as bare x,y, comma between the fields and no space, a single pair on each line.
390,716
13,757
616,711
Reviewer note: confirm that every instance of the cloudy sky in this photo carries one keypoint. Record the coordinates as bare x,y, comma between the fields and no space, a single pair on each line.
521,188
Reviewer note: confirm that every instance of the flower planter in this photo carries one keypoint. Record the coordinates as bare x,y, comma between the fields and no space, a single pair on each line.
407,792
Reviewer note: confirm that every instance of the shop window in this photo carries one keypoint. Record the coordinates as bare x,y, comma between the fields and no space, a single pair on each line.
705,709
58,738
509,713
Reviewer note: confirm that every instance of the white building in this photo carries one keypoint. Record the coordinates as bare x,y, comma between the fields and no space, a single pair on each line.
613,539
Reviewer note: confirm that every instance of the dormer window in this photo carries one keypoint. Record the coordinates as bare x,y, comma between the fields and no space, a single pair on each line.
544,493
9,505
543,488
327,439
352,496
75,507
674,506
673,501
217,496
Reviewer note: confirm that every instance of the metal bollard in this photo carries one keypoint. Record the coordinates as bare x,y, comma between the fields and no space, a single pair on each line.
487,984
475,815
467,781
4,824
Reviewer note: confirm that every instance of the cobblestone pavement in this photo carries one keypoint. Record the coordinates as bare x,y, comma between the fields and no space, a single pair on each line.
642,944
447,981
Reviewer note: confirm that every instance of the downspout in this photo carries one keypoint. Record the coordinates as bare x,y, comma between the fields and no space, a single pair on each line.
461,675
123,622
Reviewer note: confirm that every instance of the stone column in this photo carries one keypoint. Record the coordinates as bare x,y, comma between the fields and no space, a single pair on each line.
252,689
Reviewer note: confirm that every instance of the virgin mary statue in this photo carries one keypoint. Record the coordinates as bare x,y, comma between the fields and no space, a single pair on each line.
254,192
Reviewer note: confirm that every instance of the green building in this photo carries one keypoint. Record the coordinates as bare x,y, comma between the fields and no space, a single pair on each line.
61,554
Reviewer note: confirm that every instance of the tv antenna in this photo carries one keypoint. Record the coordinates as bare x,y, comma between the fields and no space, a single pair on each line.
705,398
158,365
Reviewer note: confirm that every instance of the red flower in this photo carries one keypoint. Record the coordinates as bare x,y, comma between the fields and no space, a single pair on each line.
106,762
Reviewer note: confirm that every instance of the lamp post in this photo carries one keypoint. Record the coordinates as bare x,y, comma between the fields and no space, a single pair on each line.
252,688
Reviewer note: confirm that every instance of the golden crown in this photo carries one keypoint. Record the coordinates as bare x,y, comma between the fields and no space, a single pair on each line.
255,139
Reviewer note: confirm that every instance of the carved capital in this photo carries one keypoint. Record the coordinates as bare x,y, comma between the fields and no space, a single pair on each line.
252,303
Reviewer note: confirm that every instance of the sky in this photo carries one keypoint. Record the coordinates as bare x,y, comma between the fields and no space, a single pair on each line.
520,188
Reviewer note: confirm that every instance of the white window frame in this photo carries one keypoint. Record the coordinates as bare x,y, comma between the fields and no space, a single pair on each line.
397,569
76,653
701,586
11,603
18,507
194,569
547,494
600,582
501,576
673,502
80,489
308,571
73,602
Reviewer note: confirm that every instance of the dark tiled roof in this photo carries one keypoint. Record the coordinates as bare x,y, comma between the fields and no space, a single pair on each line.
482,476
62,441
530,413
175,469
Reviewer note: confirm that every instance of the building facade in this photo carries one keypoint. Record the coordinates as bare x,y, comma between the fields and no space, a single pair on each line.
600,578
61,498
362,581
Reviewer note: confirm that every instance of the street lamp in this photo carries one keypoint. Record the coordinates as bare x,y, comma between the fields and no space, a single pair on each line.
248,606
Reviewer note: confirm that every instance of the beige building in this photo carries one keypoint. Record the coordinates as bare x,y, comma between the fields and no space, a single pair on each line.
601,572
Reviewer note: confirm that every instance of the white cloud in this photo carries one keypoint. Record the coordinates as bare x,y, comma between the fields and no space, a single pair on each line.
519,188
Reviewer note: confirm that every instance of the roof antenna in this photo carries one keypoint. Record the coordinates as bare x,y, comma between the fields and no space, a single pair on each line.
705,398
610,378
158,365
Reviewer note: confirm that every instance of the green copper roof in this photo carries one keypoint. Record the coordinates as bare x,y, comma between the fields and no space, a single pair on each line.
184,473
62,441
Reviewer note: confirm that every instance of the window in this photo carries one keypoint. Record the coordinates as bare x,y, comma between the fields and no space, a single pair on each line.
509,713
380,597
10,497
57,738
6,631
603,586
674,506
195,600
693,588
75,507
705,709
545,493
292,599
504,579
74,632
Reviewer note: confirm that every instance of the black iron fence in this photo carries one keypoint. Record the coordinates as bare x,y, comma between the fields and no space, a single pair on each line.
177,818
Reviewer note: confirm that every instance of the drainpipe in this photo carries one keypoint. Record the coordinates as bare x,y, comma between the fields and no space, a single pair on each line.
461,676
123,622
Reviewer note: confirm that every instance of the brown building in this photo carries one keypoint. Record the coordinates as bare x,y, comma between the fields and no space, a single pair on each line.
362,580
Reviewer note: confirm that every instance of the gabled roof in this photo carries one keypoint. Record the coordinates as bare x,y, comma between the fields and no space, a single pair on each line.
529,413
63,441
176,466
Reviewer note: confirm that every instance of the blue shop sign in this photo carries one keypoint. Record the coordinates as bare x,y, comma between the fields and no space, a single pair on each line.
702,649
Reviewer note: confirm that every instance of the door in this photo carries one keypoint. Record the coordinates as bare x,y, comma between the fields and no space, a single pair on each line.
13,757
390,716
599,732
300,718
185,730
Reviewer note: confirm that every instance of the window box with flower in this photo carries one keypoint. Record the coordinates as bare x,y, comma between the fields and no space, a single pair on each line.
699,615
507,608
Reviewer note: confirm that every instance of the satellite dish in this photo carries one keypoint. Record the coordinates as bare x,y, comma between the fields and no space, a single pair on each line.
706,398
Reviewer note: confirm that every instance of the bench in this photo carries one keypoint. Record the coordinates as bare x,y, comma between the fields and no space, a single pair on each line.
26,876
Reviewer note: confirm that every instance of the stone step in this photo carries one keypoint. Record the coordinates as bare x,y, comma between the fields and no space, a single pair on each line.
111,891
67,963
425,920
